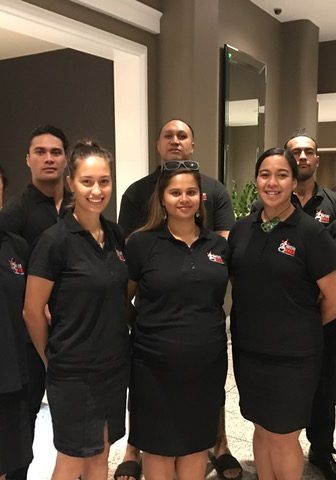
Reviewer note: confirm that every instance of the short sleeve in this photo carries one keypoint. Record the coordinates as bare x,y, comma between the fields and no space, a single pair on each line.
133,254
224,218
48,257
137,251
321,253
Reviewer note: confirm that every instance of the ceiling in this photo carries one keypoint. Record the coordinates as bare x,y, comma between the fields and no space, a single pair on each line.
321,12
16,45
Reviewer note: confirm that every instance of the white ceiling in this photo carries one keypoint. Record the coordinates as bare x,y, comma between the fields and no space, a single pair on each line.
17,45
321,12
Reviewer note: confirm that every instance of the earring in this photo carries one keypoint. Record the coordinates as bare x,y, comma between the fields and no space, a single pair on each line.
164,212
197,214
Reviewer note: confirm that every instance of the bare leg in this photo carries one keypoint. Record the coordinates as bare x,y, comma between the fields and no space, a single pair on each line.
221,442
67,468
284,452
91,468
157,467
262,455
191,467
96,467
222,446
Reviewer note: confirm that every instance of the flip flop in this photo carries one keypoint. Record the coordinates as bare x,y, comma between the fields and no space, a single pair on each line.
130,468
226,462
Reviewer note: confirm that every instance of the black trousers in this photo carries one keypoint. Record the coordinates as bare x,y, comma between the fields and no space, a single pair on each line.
320,432
36,387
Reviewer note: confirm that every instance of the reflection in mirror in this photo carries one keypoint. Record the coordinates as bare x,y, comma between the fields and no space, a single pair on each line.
242,116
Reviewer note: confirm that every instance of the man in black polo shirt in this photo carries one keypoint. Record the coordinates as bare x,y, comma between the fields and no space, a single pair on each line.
29,214
176,142
320,203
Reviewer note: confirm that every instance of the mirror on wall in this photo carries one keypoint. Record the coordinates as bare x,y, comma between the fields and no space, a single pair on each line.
242,116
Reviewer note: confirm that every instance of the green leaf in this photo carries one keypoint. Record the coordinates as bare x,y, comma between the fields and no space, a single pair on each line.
243,201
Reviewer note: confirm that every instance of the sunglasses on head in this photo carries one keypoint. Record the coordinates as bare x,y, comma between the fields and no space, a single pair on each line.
172,165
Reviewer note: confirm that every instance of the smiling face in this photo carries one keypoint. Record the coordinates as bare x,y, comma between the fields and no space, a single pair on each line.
275,183
91,185
304,151
175,141
46,159
181,198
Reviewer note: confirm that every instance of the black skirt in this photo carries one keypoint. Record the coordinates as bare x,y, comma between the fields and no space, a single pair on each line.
15,432
276,392
175,405
81,407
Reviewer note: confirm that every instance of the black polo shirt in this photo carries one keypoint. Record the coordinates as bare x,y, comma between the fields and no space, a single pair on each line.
321,206
134,207
275,295
332,229
180,292
31,212
88,331
13,370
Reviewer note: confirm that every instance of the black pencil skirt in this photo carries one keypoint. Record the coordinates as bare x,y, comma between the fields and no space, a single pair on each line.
276,392
81,407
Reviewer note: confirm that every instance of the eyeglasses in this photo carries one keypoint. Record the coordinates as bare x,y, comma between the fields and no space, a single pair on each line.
172,165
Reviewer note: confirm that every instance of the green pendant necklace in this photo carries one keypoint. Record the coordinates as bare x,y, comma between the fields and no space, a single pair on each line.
271,223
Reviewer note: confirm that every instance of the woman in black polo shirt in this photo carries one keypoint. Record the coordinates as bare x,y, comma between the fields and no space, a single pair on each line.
179,342
78,268
15,433
282,261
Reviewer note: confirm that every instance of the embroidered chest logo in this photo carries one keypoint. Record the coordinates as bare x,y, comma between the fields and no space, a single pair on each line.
213,257
120,255
17,268
204,196
286,248
322,217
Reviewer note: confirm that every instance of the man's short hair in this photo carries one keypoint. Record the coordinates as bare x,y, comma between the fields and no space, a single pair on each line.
298,134
51,130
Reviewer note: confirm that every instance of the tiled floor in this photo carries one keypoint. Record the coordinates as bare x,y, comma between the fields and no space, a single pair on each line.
239,433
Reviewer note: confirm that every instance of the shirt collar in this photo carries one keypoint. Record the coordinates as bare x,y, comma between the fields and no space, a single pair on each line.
317,193
38,196
74,226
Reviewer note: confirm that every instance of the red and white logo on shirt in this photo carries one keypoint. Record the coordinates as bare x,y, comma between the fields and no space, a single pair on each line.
120,255
322,217
16,268
286,248
213,257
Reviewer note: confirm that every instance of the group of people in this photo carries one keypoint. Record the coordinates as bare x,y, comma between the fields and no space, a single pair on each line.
139,305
